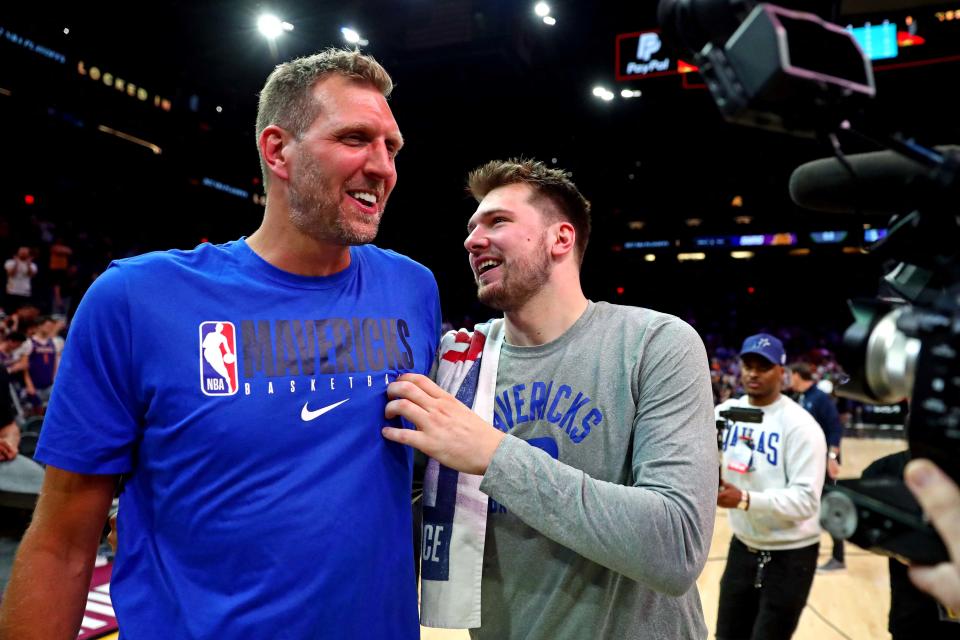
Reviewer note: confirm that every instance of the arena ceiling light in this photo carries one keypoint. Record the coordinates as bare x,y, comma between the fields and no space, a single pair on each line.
272,27
352,36
603,93
542,9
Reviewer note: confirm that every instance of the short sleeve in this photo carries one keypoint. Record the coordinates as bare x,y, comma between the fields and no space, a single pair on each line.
94,418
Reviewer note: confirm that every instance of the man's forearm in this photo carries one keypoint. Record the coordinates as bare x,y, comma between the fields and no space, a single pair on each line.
20,365
47,592
653,537
46,596
28,382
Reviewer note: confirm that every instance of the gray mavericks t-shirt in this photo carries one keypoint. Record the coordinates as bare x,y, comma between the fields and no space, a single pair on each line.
609,543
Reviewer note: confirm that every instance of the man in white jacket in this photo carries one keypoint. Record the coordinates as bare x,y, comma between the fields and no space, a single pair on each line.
772,475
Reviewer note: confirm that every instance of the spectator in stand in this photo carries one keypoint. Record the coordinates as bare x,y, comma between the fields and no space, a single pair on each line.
21,270
59,331
21,319
70,291
43,359
11,354
19,322
60,254
20,477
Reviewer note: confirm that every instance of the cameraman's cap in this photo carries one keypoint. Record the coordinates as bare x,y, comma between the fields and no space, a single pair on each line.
766,345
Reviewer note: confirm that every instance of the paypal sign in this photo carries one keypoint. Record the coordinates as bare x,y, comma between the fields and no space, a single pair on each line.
642,55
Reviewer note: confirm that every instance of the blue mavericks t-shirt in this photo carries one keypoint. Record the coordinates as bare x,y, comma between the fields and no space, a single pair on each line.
246,405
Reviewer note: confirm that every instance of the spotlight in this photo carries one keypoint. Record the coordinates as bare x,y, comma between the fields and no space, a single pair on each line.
603,93
271,26
353,36
542,9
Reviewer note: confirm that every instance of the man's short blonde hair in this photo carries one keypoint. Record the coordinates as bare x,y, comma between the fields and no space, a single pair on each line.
287,101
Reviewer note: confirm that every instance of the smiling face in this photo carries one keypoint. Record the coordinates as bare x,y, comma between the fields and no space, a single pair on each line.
761,379
508,245
342,170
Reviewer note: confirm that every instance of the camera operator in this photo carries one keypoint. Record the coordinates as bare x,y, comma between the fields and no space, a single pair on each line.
772,477
940,498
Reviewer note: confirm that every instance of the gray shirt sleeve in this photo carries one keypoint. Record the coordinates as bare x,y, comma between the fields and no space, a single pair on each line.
657,530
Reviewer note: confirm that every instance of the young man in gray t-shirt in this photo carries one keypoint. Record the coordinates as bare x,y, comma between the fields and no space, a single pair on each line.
600,464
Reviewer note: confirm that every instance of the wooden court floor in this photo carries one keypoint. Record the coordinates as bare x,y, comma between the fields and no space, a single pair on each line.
846,605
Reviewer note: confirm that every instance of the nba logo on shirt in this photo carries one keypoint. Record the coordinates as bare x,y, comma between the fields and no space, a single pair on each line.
218,358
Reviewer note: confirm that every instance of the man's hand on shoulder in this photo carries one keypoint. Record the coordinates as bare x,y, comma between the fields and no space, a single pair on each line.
447,430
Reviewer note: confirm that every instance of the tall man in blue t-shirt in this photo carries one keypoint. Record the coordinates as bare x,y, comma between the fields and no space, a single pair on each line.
259,494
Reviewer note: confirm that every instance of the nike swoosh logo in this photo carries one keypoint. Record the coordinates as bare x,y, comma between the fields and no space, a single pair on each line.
306,415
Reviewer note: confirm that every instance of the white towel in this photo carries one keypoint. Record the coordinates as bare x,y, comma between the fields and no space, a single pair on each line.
454,509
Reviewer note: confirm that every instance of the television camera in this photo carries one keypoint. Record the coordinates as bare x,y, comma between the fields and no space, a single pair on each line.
798,73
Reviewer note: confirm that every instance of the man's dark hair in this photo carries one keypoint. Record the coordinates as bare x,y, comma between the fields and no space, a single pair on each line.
802,369
553,192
